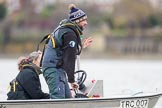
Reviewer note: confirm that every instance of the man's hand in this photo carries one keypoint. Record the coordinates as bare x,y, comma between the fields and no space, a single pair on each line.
86,42
74,86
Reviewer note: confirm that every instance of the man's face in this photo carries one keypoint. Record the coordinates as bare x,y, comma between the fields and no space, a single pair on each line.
83,24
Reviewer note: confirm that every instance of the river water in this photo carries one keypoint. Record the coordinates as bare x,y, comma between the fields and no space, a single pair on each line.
120,77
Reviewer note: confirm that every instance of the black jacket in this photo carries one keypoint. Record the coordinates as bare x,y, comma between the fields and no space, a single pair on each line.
68,45
28,86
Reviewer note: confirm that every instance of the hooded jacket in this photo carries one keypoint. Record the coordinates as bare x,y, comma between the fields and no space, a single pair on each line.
26,85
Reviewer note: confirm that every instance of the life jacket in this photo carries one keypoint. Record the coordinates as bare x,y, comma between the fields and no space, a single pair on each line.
52,51
16,90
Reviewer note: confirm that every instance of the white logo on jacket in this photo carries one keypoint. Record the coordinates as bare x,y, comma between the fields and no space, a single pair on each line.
72,44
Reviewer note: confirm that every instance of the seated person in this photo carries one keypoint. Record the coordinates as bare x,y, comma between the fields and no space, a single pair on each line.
27,84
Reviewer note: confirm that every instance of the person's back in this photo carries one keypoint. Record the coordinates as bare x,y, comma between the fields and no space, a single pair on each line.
27,83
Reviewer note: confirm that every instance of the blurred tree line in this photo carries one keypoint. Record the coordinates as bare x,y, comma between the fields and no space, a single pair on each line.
134,16
123,18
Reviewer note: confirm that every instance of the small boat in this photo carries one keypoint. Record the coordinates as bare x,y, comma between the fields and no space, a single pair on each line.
134,101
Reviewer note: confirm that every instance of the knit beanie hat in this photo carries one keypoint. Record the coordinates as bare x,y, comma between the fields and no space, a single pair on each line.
76,14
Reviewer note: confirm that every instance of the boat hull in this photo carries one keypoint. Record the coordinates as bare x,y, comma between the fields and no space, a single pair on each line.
148,101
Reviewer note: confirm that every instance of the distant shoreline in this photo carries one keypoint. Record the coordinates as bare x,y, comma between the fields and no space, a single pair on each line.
86,55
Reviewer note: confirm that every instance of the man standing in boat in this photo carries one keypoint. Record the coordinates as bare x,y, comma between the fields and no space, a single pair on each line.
58,62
